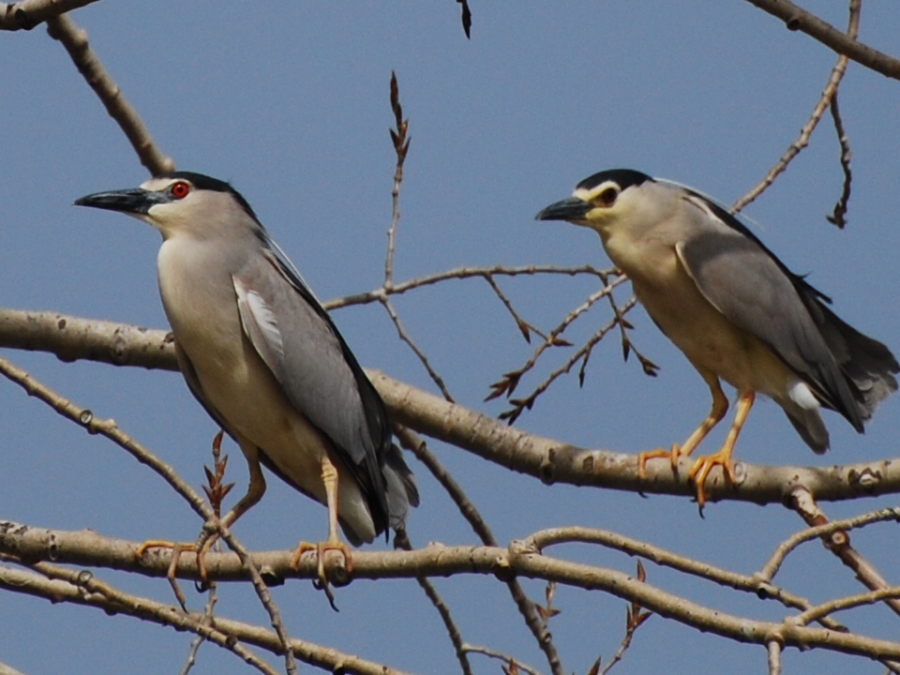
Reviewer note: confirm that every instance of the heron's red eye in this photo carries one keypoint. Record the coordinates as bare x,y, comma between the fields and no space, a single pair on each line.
179,190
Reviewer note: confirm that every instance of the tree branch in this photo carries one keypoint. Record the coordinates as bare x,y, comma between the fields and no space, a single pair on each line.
89,548
75,40
27,14
549,460
327,658
796,18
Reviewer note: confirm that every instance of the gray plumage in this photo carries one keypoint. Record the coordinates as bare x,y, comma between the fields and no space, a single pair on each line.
731,306
264,358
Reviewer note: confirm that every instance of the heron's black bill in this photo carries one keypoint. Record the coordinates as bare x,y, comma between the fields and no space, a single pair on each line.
133,200
571,209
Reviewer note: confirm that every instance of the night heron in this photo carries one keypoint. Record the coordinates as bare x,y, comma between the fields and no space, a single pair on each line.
265,360
733,308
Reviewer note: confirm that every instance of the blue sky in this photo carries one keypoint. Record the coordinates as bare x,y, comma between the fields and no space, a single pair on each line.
290,104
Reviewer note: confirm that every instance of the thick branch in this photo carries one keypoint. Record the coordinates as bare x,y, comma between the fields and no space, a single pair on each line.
549,460
27,14
88,548
797,18
75,40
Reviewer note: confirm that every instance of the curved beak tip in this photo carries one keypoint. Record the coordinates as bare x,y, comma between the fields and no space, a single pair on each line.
571,209
131,201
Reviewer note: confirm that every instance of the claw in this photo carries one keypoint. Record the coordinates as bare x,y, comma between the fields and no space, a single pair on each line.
700,471
320,548
643,457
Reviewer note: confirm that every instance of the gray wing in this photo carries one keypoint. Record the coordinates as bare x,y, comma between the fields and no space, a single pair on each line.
753,289
298,342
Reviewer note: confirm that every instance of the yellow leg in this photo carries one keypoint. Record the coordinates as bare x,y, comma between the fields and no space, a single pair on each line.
703,465
333,543
716,413
255,490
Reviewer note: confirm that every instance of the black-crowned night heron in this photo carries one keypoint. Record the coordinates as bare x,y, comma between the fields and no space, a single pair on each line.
733,308
265,360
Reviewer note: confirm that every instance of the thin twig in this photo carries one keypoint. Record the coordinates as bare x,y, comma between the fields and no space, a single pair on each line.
838,542
400,139
28,14
519,405
754,584
500,656
117,599
849,602
635,617
75,40
524,327
837,216
773,564
110,430
834,80
402,542
415,444
378,294
796,18
401,332
510,380
328,658
208,612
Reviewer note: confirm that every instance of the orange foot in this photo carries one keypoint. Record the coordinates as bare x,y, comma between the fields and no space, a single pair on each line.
320,548
700,471
673,456
177,550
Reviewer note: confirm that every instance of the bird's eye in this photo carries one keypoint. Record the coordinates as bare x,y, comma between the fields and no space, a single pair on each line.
608,196
179,190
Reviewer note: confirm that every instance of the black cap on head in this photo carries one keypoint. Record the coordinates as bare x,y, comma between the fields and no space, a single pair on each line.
624,178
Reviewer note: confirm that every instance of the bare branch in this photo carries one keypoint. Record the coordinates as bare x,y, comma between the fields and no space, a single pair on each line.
839,604
378,294
547,459
755,584
28,14
796,18
225,631
770,569
415,444
434,560
829,94
400,140
510,380
838,542
500,656
401,541
108,428
75,40
401,332
773,660
837,216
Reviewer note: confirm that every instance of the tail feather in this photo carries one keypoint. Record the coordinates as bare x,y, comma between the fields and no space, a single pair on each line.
867,363
402,492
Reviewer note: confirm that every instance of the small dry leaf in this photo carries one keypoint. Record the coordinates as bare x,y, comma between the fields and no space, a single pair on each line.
525,329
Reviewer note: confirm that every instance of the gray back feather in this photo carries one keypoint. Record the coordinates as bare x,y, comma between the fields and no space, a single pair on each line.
848,371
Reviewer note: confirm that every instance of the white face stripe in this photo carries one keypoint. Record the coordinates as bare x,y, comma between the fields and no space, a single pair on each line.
160,184
594,192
